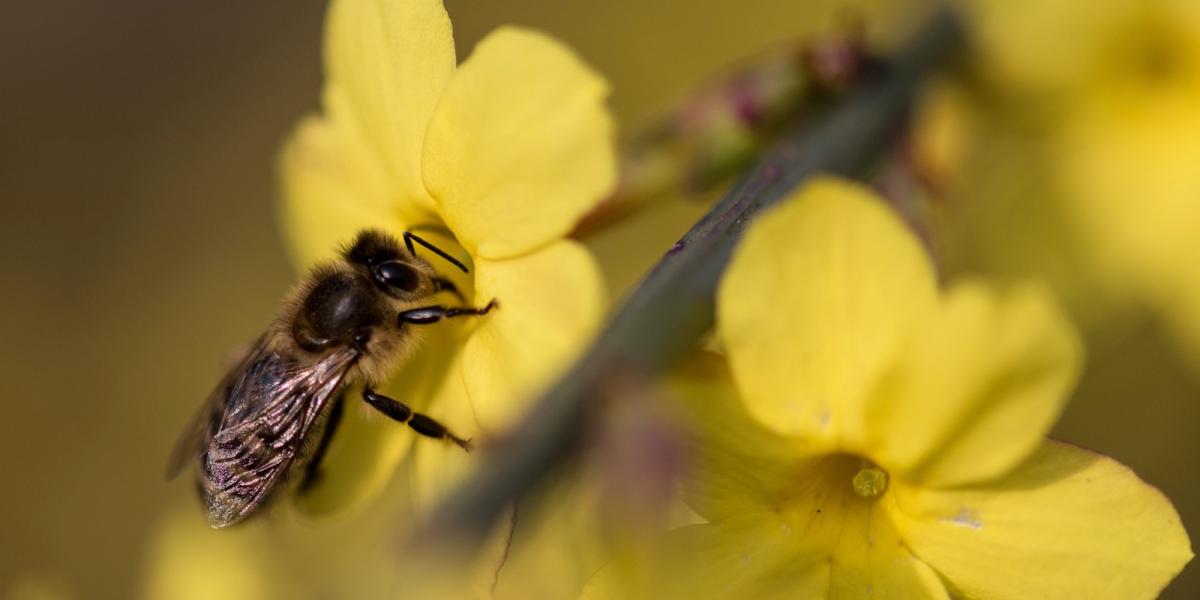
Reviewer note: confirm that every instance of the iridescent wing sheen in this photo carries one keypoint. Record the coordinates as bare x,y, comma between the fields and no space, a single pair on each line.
256,424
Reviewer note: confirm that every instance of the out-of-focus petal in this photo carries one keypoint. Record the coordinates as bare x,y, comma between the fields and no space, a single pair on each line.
723,440
550,304
1023,50
975,392
520,146
332,189
813,305
1066,524
186,559
1180,301
438,467
753,555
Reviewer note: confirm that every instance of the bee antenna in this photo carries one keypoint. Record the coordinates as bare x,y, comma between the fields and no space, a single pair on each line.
410,237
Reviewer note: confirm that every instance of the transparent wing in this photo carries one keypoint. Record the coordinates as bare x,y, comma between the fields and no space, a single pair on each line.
256,424
208,419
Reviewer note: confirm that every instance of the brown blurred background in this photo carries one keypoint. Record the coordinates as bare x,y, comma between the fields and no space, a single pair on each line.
139,244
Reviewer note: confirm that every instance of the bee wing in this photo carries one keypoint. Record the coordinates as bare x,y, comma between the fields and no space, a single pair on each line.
208,419
256,424
189,443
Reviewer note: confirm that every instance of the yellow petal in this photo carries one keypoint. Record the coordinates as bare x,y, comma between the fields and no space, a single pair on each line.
872,561
1115,148
1066,524
367,447
1180,302
510,354
520,146
361,459
749,556
186,559
1021,48
438,468
387,63
550,304
977,389
759,555
722,439
332,189
813,305
557,545
783,517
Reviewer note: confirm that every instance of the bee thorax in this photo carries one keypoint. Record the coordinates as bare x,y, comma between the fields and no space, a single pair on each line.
338,311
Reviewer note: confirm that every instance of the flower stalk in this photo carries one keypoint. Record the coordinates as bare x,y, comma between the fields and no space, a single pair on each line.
673,307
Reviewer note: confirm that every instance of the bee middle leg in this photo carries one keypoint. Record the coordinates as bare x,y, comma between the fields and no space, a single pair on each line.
422,424
441,284
313,471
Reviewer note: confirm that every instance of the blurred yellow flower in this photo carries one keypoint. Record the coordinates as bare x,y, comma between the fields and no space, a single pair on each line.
185,559
37,586
503,154
889,440
1076,160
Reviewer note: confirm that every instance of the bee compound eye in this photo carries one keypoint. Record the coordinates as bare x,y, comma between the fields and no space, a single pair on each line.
398,275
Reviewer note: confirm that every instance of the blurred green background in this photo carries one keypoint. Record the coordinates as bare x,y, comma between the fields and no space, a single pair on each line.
139,245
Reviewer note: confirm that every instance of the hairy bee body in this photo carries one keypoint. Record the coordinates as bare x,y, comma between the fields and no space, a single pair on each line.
352,320
332,306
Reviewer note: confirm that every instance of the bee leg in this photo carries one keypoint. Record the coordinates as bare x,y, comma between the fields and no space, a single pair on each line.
313,471
428,315
422,424
410,237
445,285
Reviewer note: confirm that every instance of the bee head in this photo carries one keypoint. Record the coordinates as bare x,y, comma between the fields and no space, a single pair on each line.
394,271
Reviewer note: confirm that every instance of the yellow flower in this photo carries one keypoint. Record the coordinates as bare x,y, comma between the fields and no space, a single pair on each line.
1078,153
889,441
503,153
185,559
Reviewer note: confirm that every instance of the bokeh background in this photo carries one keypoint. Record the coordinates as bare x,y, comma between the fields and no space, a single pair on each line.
139,245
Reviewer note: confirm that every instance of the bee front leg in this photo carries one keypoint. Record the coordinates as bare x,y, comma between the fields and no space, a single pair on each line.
422,424
427,315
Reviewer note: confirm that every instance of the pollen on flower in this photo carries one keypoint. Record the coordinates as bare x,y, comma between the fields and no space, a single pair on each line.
870,481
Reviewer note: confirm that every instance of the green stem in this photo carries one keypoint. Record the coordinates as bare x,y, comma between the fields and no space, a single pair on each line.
673,306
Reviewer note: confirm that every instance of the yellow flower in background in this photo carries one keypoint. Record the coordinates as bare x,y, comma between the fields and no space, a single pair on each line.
502,154
889,439
1129,154
185,560
1076,161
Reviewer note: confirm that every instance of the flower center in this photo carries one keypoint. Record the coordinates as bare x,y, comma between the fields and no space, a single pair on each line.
837,497
870,481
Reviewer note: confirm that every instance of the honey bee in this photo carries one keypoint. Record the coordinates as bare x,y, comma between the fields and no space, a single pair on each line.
352,320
